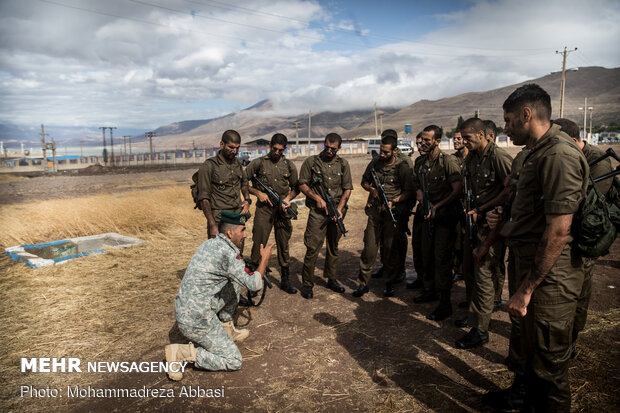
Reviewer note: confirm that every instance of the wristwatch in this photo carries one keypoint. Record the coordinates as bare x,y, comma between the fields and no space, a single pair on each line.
248,200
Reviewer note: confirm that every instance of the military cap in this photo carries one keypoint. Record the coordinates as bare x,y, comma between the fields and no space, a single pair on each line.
234,218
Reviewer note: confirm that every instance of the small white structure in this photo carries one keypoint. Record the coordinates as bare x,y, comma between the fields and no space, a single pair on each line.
60,251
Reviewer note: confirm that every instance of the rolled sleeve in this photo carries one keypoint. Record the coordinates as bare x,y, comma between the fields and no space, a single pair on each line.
204,181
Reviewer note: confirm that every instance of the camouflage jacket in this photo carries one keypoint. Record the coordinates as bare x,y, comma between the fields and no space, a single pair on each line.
216,262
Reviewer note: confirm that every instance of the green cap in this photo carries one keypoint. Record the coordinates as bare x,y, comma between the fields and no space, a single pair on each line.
234,218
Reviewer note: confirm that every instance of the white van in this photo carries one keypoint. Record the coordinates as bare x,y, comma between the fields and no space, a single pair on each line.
374,145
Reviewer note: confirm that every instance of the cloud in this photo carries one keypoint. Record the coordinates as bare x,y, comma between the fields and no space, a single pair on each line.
147,63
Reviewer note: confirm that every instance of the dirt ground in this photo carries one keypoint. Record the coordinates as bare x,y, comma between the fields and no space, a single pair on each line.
332,353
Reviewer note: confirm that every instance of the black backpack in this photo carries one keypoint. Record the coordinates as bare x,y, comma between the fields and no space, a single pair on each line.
596,225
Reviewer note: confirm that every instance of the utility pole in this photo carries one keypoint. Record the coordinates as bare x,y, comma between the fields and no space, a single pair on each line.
585,116
309,126
477,114
43,148
297,134
125,137
112,143
105,150
150,136
563,86
591,109
376,128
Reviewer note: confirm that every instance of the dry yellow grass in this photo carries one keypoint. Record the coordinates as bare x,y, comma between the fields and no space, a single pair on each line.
138,213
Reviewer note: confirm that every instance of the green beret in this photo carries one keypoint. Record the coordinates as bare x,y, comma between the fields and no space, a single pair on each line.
234,218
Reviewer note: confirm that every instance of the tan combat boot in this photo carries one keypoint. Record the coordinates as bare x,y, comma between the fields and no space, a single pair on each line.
179,353
233,333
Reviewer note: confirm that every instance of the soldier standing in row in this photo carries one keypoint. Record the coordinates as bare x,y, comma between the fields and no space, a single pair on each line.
499,275
440,174
606,189
552,184
418,232
220,179
280,174
394,175
335,174
486,167
208,297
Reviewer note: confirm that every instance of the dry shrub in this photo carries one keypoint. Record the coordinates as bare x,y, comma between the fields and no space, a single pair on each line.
137,213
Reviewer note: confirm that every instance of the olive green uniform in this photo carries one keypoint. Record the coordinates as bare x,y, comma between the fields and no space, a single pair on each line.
488,172
603,187
516,358
437,254
403,220
553,180
420,236
462,248
220,183
336,176
282,177
380,230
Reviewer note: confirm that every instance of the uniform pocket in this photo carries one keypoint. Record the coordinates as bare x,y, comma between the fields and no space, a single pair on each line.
554,336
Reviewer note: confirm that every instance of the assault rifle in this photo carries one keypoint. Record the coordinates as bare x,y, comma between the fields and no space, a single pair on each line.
249,302
608,153
468,207
426,204
276,200
382,195
332,209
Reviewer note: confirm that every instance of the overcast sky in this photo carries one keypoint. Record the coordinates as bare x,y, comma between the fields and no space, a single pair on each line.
143,64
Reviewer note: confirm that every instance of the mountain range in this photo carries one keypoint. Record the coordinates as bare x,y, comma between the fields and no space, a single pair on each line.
600,85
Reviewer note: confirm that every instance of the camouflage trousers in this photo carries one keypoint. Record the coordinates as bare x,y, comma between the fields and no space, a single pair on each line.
216,351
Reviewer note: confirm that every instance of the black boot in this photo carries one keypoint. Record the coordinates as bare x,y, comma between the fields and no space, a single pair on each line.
444,309
389,290
285,285
510,399
474,338
335,286
412,285
306,292
427,296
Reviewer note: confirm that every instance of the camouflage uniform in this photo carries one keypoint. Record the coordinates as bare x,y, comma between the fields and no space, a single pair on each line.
553,180
282,177
488,173
396,180
220,183
208,295
336,176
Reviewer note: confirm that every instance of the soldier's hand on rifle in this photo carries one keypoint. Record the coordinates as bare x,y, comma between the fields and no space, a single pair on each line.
374,192
480,252
339,215
320,204
285,205
493,217
262,197
431,213
474,214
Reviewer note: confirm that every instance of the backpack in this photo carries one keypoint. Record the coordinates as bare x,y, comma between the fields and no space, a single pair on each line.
596,225
194,189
